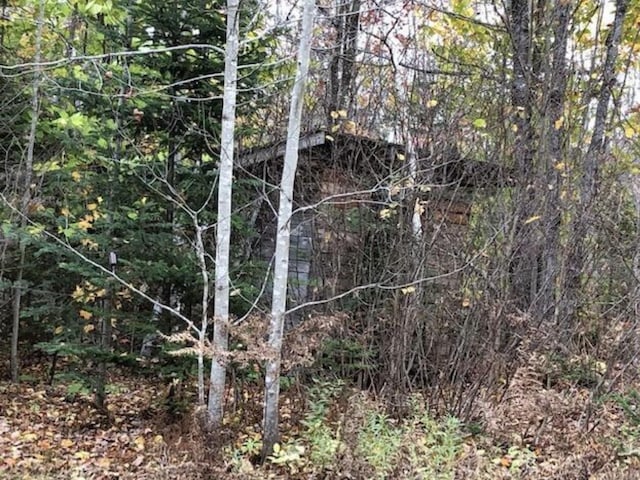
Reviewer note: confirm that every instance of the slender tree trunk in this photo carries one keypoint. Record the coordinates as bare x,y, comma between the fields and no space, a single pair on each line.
281,265
524,262
26,193
635,190
547,305
342,67
204,323
578,263
221,302
416,215
105,341
351,11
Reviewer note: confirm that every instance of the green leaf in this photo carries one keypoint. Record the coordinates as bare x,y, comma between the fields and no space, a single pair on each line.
480,123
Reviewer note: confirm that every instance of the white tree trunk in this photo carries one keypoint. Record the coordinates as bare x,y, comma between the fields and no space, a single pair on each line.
26,192
281,265
201,254
416,217
221,303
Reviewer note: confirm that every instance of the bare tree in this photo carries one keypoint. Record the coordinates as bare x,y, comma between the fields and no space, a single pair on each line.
577,262
221,301
26,191
281,266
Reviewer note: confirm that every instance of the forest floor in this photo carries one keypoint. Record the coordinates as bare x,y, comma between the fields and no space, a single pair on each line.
533,431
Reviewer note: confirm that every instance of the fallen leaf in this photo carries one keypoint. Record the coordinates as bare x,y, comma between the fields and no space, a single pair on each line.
139,443
29,437
82,455
66,443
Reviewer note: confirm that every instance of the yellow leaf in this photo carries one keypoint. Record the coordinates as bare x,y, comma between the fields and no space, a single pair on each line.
342,113
75,175
84,224
466,303
64,211
158,439
85,315
276,448
560,166
58,330
408,290
126,293
400,156
329,138
82,455
66,443
629,131
432,103
514,128
385,213
558,123
90,244
92,206
78,293
334,115
89,328
350,126
139,443
532,219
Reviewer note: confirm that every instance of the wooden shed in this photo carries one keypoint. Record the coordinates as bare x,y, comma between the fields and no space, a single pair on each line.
343,185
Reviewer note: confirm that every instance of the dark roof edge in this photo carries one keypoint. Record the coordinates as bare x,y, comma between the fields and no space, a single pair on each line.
277,150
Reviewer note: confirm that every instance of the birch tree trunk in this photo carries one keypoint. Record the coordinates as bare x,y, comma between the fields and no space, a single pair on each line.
221,303
281,265
26,192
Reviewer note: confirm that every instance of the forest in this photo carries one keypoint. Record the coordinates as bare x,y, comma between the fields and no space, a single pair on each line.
307,239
